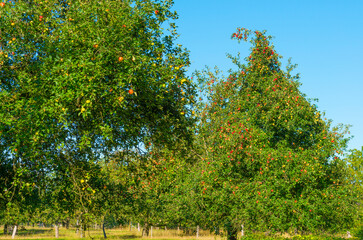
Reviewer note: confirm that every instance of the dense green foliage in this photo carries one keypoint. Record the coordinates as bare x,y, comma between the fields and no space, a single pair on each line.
355,176
98,123
270,162
80,80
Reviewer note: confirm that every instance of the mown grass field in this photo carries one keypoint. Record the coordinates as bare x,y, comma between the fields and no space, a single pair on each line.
117,233
46,233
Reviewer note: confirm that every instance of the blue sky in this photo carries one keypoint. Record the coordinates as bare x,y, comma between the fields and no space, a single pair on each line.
325,39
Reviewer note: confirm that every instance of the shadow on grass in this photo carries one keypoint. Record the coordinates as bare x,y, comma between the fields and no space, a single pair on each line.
28,232
128,236
33,232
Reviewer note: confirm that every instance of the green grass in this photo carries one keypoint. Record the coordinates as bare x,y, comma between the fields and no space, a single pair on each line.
36,233
120,233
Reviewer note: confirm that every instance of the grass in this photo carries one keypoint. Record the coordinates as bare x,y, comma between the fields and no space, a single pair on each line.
119,233
33,233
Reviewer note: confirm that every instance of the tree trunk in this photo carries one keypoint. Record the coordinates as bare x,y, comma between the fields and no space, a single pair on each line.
242,230
77,226
198,231
216,231
130,225
145,230
81,228
56,228
151,231
103,229
5,229
138,227
14,231
231,233
84,229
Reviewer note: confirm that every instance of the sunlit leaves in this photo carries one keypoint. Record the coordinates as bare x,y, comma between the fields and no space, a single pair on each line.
67,69
267,153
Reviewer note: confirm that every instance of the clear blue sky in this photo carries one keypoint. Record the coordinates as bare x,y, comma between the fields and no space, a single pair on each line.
324,37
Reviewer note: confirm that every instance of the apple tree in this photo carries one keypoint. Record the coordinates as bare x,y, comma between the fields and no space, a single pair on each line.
355,170
151,180
89,78
270,161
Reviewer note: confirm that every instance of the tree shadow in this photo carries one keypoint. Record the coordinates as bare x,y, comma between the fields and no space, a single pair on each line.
24,232
129,236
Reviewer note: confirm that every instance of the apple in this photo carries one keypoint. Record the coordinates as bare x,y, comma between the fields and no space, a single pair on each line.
156,12
120,59
2,4
131,91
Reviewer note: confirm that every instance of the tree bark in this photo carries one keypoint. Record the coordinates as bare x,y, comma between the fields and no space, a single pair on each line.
5,229
103,229
84,229
145,230
231,233
14,231
81,228
198,231
77,226
56,228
